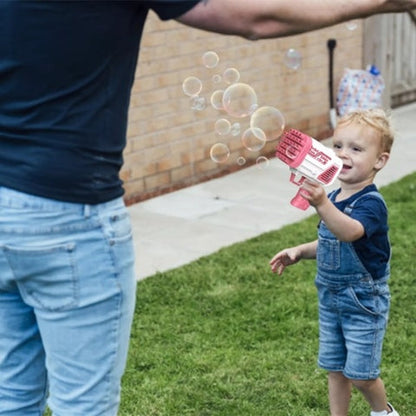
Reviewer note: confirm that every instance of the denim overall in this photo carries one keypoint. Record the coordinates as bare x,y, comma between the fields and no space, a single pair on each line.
353,308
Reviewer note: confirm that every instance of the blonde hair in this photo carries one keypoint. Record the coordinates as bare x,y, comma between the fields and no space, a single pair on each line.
376,119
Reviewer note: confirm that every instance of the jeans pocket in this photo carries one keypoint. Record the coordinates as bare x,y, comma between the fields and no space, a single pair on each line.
117,226
46,276
365,298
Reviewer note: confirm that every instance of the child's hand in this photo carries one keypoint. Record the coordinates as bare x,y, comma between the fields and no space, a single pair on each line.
284,258
314,193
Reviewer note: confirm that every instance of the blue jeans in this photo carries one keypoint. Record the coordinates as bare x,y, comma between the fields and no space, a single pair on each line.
67,293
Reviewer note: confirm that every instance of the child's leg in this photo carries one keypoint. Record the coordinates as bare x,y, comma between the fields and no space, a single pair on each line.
374,393
339,388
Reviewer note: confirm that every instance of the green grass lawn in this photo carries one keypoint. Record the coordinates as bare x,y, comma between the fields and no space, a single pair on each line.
224,336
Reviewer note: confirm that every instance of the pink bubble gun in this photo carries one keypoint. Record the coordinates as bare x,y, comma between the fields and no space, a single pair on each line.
307,159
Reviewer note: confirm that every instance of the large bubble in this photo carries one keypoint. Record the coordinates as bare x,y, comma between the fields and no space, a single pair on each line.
269,120
239,100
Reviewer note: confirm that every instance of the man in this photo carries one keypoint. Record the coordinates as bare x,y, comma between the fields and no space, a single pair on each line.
66,256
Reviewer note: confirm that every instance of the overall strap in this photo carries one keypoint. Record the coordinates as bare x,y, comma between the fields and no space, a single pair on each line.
348,209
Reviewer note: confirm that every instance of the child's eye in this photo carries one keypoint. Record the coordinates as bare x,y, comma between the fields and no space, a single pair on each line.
356,149
336,146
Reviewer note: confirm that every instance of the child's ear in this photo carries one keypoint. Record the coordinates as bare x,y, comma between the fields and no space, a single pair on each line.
382,160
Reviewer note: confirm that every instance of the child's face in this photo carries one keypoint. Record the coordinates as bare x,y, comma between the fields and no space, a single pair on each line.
359,148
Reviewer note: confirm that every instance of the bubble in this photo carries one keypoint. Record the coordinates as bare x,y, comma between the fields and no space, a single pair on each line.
219,153
216,79
351,25
262,162
239,100
231,75
253,139
292,152
198,103
216,99
293,59
192,86
222,126
210,59
270,120
241,160
235,129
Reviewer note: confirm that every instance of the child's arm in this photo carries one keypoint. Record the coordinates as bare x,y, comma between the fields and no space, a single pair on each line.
341,225
292,255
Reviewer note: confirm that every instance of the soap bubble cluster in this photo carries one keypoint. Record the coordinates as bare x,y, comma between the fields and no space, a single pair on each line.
240,114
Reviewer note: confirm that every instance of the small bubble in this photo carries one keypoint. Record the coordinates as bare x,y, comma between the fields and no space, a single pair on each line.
198,103
219,153
293,59
262,162
222,126
241,160
216,79
192,86
216,99
231,75
292,152
210,59
235,129
351,25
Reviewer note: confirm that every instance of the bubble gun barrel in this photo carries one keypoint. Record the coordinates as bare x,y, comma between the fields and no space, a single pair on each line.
307,159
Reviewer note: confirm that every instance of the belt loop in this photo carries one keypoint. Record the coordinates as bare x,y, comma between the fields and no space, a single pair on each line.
87,211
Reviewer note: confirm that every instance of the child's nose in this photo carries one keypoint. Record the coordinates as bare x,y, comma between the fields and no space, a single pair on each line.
340,152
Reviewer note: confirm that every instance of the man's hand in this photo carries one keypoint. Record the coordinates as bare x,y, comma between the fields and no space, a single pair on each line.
263,19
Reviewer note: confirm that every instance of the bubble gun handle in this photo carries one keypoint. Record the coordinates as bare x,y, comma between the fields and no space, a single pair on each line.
307,159
299,201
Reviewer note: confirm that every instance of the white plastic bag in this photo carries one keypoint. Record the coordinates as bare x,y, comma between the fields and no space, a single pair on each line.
360,88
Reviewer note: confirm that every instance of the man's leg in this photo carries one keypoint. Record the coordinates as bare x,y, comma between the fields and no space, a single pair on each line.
73,266
23,381
86,340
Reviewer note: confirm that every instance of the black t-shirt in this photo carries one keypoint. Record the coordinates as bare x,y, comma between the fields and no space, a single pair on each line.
66,71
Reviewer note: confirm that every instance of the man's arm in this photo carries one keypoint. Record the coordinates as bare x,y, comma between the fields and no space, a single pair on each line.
260,19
